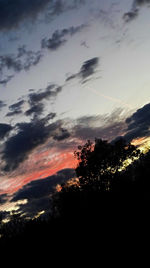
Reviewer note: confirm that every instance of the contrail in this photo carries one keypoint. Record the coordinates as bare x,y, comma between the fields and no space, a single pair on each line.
109,98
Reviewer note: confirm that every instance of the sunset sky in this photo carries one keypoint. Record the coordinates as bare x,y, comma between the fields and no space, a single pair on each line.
70,70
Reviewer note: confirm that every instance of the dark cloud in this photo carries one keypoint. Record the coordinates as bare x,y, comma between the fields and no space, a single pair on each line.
104,127
110,127
60,6
18,146
5,80
138,123
89,127
57,8
36,109
141,2
28,136
130,15
12,13
51,116
2,104
38,192
16,106
133,13
54,42
32,59
50,91
23,60
87,70
4,130
59,37
17,112
71,77
36,99
11,63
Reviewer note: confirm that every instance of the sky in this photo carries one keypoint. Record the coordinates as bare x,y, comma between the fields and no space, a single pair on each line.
70,70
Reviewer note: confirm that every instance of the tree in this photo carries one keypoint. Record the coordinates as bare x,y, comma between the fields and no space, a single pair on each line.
99,162
96,193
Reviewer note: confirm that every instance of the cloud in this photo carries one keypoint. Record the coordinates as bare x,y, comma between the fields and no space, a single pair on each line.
17,112
138,123
113,126
54,42
15,109
57,8
18,146
51,91
16,106
28,136
2,104
11,63
4,130
131,15
134,12
12,13
23,60
71,77
3,198
87,70
59,37
5,80
102,126
36,109
141,2
60,6
62,135
50,116
38,192
36,99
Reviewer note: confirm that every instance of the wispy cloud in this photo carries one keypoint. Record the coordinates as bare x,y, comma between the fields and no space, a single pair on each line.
134,12
36,99
15,108
131,15
5,80
58,7
23,60
2,104
59,37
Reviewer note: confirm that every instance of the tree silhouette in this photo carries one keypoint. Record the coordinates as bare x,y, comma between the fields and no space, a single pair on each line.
99,193
99,162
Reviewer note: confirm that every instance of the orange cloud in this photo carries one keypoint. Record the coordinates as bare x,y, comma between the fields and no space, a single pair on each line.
38,166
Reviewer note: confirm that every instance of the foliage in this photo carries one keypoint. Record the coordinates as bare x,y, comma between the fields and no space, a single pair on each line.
100,161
